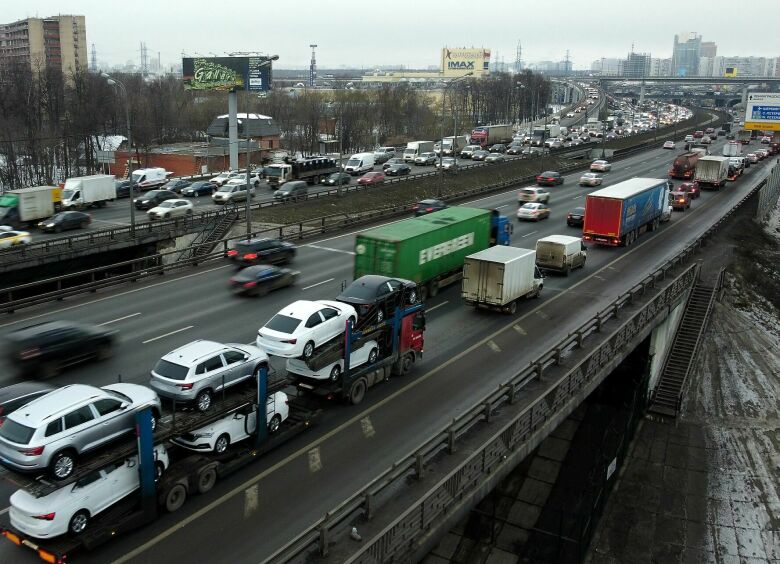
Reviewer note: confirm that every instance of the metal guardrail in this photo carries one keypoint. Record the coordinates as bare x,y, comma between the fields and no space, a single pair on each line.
317,537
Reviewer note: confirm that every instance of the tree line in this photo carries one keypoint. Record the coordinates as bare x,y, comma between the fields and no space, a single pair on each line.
51,125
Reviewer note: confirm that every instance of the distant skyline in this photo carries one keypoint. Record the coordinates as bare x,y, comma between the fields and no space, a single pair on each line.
589,29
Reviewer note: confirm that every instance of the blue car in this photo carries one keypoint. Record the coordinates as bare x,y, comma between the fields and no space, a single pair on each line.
199,188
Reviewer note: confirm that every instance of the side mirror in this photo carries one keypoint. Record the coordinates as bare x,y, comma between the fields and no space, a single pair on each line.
124,406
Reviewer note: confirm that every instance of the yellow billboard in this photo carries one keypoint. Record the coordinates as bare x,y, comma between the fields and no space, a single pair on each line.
458,62
730,72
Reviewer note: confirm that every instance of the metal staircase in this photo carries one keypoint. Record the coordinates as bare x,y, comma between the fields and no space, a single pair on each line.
667,395
205,243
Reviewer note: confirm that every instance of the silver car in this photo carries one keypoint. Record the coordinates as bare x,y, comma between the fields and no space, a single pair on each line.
192,373
53,430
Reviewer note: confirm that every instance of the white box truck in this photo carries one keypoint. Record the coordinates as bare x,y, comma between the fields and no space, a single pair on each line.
498,277
24,206
88,191
732,149
416,148
711,172
560,253
359,163
453,145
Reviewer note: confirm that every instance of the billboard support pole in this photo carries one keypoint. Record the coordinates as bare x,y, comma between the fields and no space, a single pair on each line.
233,128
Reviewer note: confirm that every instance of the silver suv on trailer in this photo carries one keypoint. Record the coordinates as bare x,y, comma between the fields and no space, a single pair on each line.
53,430
193,373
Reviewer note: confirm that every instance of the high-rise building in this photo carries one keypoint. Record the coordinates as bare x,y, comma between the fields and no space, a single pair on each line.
708,49
637,65
660,67
607,67
686,53
743,66
59,41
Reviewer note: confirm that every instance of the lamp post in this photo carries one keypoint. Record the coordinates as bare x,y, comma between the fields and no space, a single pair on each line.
441,141
114,82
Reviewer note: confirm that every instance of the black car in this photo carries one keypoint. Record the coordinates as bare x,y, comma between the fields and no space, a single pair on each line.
337,178
576,217
497,148
18,395
176,185
480,155
549,178
260,279
199,188
248,252
65,220
398,170
123,188
424,207
515,149
153,198
380,294
392,162
45,349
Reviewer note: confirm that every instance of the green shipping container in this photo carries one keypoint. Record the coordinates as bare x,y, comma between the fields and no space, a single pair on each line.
425,247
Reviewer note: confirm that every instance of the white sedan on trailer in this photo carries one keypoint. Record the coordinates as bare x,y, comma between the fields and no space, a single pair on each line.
236,427
367,354
303,326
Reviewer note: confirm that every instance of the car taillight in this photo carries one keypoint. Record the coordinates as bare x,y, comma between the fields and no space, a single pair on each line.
249,284
681,200
27,354
250,256
290,341
232,253
32,451
46,517
429,209
185,386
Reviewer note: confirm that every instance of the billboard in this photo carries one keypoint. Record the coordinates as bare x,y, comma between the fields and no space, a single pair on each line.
227,73
762,111
730,72
457,62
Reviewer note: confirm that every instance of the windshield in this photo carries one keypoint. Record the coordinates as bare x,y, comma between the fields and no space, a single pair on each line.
67,194
283,323
360,291
273,172
167,204
137,177
353,162
170,370
15,432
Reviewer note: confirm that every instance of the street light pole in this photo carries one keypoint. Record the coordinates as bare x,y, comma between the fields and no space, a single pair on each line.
114,82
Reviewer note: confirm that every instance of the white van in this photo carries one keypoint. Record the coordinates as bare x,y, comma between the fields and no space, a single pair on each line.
560,253
359,163
145,178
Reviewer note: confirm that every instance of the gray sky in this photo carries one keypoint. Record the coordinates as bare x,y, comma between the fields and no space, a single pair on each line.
354,33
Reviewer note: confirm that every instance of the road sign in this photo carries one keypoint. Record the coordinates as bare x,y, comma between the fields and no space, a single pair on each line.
762,111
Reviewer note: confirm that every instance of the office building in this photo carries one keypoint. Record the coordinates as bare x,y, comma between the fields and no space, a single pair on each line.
708,49
686,53
637,65
58,41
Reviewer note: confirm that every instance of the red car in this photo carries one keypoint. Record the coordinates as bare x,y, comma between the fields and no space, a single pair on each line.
371,178
691,187
698,134
549,178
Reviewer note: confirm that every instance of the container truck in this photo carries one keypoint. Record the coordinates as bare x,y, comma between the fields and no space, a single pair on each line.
312,170
496,278
430,249
712,172
24,206
732,149
618,214
88,191
684,165
416,148
560,253
453,145
491,134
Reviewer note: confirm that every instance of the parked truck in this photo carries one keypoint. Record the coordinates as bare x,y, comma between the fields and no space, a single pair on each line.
618,214
312,170
453,145
712,172
430,249
491,134
416,148
732,149
498,277
684,165
84,192
560,253
24,206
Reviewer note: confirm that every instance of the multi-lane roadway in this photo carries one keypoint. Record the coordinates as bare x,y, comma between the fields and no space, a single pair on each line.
466,354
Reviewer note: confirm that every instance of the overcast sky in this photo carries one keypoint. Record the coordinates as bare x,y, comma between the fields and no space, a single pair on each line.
369,33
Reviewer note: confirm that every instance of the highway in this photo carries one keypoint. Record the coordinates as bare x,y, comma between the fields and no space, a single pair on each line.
302,479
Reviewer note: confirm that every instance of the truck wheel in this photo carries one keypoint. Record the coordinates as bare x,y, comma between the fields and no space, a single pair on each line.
567,271
206,479
357,391
433,288
407,361
175,498
511,308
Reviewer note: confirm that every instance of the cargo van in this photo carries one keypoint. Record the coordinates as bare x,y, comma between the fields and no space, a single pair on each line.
145,178
560,253
359,163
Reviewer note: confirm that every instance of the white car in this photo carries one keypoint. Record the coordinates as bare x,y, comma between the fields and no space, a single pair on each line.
223,177
669,145
367,354
171,208
533,195
10,237
303,326
533,212
70,508
689,138
600,166
235,427
570,115
590,179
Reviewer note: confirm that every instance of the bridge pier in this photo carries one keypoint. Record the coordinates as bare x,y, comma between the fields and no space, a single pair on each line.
642,89
744,95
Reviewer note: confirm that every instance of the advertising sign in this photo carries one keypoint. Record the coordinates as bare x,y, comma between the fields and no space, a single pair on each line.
457,62
762,111
227,73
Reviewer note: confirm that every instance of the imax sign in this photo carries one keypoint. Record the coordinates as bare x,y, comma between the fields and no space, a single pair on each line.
460,65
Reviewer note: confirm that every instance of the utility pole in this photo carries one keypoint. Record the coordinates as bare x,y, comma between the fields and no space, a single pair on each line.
441,142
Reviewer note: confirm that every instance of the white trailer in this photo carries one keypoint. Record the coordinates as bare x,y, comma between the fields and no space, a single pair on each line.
712,171
499,276
561,253
88,191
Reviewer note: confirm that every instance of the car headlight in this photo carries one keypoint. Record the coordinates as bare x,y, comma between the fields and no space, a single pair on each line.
49,225
203,435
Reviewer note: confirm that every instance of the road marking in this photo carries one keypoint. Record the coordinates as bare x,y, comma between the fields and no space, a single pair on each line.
315,460
330,249
318,283
499,207
543,315
251,500
577,197
531,233
368,427
120,319
599,277
493,346
167,334
430,309
519,329
317,442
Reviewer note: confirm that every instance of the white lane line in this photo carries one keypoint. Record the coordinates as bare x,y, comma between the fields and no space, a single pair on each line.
577,197
330,249
318,283
167,334
499,207
120,319
430,309
531,233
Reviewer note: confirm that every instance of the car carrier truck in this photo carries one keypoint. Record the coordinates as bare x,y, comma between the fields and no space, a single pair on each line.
430,249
